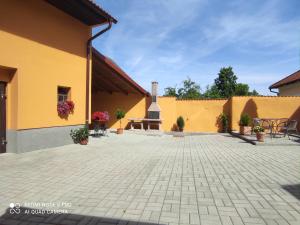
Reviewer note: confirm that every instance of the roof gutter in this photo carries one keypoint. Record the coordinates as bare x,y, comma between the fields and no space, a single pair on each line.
88,65
276,92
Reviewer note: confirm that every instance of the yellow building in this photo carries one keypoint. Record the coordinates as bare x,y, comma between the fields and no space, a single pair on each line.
44,49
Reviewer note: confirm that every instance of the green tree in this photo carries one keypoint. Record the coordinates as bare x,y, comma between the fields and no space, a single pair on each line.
190,90
170,92
226,82
225,86
241,89
253,93
211,92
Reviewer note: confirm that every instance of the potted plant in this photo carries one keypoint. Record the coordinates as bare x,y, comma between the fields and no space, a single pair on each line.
99,120
80,135
120,114
245,128
224,121
180,123
260,133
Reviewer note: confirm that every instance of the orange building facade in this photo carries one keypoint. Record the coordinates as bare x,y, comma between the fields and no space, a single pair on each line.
43,48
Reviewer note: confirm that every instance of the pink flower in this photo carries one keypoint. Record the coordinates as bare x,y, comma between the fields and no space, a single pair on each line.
100,116
65,108
71,105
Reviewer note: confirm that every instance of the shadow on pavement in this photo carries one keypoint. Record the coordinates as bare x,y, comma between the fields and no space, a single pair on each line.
32,216
293,190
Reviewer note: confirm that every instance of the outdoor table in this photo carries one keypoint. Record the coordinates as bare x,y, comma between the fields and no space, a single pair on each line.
273,124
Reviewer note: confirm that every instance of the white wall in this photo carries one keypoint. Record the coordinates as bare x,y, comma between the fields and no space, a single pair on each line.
290,90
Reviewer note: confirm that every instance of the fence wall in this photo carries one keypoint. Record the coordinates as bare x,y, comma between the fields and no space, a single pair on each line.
199,115
264,107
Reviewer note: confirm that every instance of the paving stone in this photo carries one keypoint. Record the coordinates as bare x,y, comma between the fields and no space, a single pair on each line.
134,179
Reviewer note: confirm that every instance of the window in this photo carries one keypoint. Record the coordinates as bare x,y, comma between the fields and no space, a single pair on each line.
63,94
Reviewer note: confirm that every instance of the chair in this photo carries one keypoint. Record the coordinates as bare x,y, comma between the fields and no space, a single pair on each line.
267,125
290,126
281,124
256,122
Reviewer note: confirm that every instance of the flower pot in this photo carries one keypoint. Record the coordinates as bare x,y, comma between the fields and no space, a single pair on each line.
224,130
180,129
260,136
120,131
245,130
178,134
84,142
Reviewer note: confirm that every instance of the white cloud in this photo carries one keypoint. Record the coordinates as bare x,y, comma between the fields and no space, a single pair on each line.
264,30
171,39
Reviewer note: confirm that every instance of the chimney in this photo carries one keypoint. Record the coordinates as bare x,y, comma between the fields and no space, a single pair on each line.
154,110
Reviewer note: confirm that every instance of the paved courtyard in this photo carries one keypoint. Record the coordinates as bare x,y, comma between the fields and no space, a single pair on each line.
137,179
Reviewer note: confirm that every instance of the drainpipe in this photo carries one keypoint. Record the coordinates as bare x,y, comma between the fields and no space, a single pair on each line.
89,51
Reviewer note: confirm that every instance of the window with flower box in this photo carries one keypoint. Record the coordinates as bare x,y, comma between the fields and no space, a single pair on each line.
63,94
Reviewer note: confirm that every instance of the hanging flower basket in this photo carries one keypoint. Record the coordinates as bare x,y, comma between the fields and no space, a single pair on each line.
64,109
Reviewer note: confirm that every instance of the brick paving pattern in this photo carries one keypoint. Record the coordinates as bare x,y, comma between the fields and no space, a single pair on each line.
136,179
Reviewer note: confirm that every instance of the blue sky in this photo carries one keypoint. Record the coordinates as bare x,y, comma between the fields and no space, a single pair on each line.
168,40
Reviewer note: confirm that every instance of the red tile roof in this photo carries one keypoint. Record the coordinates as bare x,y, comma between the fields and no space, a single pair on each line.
287,80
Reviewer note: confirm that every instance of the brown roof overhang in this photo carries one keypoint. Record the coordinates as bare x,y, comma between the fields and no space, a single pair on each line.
84,10
108,76
287,80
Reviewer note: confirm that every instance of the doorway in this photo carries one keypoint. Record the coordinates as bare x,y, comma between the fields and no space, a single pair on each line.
2,117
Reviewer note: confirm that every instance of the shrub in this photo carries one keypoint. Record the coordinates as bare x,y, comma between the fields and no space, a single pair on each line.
258,129
245,120
120,114
80,134
224,120
180,123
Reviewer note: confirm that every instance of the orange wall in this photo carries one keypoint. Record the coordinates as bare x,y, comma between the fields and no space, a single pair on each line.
199,115
133,104
48,49
265,107
202,115
168,112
